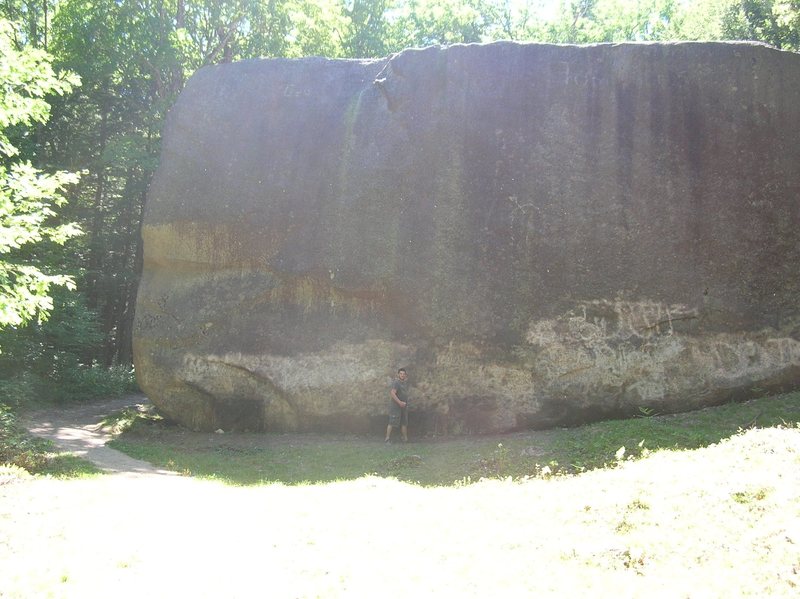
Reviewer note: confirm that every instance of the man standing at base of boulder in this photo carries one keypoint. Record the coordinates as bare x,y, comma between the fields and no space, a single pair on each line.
398,406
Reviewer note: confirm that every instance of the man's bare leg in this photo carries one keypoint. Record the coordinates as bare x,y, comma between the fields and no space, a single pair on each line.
404,432
388,433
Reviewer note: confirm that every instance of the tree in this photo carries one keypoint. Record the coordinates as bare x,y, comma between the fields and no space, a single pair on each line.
131,69
776,22
32,21
443,22
367,34
28,196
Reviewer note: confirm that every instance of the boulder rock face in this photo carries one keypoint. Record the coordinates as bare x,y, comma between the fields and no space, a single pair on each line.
540,234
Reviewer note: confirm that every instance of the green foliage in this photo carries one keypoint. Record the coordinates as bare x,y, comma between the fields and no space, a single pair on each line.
78,383
28,78
314,28
21,389
44,362
441,22
776,22
20,453
27,195
67,381
16,447
366,33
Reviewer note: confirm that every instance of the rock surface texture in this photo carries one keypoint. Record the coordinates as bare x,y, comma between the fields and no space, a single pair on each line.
541,234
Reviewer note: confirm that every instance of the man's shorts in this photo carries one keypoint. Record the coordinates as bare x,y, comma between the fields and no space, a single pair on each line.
398,415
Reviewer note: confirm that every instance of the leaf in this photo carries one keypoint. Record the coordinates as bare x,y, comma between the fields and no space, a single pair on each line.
27,194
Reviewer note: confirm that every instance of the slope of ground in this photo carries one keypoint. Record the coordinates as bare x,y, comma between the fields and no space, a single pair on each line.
722,521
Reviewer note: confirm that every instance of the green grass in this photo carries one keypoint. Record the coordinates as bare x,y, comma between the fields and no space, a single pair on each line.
65,465
724,516
254,459
36,456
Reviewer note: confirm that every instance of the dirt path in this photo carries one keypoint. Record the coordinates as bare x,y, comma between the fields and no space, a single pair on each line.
77,429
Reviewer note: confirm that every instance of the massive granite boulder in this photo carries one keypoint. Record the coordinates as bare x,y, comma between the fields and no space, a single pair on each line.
541,234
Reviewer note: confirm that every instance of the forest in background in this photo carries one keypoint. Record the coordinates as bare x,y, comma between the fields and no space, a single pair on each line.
85,86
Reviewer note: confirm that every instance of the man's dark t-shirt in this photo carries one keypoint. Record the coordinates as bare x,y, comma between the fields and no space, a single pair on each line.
400,389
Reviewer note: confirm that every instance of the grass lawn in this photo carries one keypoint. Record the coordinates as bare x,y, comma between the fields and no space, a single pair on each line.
703,504
255,459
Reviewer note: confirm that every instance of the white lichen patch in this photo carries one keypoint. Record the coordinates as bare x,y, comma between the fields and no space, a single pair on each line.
634,348
599,319
341,364
606,355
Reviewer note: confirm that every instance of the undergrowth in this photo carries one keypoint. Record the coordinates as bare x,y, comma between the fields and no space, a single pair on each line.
29,389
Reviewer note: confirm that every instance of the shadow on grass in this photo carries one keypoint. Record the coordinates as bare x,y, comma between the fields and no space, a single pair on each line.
259,459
